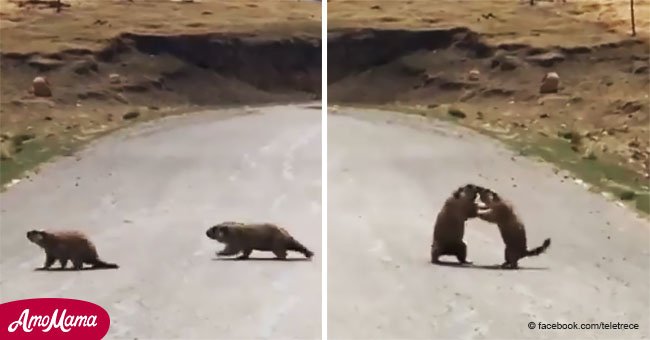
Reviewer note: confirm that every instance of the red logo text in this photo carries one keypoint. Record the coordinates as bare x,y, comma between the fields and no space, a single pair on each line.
52,318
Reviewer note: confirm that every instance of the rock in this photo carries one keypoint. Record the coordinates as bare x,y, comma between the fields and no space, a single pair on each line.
589,154
479,115
6,149
474,75
41,87
131,115
505,62
43,64
467,95
544,115
546,59
455,112
85,67
550,83
5,136
114,78
121,98
639,67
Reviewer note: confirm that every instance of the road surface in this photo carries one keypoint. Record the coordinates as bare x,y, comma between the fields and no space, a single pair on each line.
146,196
388,176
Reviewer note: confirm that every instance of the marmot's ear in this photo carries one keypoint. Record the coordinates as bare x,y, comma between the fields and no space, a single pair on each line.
456,194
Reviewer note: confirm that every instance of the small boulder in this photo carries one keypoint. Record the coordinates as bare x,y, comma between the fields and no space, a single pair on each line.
114,78
550,83
41,87
474,75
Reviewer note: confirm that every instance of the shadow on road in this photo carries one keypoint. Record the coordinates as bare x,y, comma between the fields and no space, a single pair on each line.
488,267
272,259
70,269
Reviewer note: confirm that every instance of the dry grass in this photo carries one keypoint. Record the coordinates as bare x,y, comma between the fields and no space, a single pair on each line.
548,23
604,89
89,23
35,129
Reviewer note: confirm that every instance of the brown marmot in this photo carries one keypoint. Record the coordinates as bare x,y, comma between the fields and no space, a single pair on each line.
67,245
449,228
512,230
244,238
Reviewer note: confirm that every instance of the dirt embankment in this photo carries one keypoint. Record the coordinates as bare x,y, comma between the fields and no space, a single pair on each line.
205,69
481,63
601,110
110,64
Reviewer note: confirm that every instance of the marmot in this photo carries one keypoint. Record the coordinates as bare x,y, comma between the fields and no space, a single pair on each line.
244,238
449,228
67,245
512,230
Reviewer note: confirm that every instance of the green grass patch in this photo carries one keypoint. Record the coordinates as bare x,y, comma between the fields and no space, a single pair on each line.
605,174
31,155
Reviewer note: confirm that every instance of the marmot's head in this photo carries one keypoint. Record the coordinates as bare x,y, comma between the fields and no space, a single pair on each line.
222,231
468,191
37,236
488,196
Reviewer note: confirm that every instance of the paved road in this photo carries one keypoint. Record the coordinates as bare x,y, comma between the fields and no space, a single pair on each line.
387,179
146,197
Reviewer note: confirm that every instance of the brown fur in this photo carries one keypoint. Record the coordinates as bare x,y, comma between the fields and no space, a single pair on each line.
449,228
244,238
67,245
512,230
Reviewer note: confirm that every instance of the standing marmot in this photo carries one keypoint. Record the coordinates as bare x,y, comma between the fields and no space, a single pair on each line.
244,238
67,245
512,230
449,228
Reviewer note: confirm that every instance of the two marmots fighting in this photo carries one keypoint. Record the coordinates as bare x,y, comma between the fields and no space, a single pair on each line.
243,238
449,227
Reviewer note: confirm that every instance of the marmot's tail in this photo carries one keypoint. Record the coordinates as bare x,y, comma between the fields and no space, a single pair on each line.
540,249
297,246
101,264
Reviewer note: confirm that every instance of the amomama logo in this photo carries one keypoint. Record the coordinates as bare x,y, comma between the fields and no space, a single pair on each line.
52,318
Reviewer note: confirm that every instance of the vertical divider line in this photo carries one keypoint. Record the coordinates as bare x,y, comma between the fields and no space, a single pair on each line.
324,168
